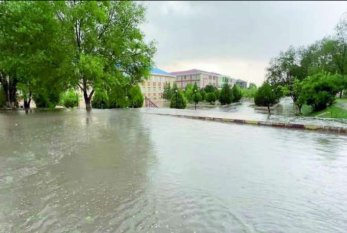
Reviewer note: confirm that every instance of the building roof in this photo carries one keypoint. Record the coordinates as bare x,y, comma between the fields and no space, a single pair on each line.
158,71
193,71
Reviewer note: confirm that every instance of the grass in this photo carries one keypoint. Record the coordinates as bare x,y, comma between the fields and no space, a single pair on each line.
337,110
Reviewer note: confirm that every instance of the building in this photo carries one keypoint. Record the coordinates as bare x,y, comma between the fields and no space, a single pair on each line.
241,83
153,87
200,77
224,79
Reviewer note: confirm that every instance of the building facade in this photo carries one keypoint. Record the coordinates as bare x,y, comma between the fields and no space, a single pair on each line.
153,87
223,79
241,83
200,77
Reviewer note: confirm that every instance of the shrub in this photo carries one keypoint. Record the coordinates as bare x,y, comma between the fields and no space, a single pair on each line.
178,100
45,98
100,99
265,96
70,99
211,97
226,95
236,93
319,90
135,97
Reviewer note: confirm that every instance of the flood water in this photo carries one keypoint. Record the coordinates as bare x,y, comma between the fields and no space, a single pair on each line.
128,171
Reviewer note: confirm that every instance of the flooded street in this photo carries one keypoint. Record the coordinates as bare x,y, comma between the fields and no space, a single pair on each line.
128,171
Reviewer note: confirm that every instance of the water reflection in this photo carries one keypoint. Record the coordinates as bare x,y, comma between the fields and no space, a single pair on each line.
127,171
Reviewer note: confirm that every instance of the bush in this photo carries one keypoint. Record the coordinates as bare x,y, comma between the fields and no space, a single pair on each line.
203,94
2,98
178,100
70,99
249,92
210,88
100,99
236,93
211,97
265,96
226,95
135,97
45,98
319,90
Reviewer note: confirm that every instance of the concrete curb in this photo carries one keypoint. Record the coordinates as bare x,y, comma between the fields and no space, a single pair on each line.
331,129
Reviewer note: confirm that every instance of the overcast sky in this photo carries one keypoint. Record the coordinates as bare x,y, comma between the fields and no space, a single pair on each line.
234,38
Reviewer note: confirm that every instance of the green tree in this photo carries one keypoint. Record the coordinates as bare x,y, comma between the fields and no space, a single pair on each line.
69,99
189,92
265,96
178,100
196,95
167,93
31,51
107,43
100,99
319,90
135,97
210,88
226,95
211,97
236,92
203,94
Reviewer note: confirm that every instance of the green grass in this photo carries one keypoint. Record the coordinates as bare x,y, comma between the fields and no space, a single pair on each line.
337,110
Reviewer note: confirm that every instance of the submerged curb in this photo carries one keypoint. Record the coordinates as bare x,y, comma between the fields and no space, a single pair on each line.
332,129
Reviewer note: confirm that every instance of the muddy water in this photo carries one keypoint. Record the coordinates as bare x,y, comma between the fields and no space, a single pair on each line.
128,171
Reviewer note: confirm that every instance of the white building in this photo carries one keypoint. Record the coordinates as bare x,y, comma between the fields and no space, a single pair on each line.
153,87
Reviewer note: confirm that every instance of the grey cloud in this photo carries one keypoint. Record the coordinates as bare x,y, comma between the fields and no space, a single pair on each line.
245,31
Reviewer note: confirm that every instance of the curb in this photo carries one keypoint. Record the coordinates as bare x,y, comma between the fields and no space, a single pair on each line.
332,129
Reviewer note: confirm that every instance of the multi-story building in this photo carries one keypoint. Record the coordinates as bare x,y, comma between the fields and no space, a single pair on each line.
223,79
200,77
153,87
241,83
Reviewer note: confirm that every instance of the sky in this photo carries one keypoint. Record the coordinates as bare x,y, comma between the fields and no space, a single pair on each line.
234,38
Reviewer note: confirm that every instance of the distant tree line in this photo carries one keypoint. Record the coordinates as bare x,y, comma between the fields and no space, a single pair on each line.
210,94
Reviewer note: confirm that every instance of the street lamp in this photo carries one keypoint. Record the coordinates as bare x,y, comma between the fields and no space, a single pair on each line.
176,97
195,98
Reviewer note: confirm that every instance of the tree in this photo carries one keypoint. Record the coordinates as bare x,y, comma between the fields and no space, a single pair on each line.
107,43
30,49
100,99
211,97
210,88
189,92
226,95
178,100
167,93
236,92
319,90
196,95
265,96
135,97
69,99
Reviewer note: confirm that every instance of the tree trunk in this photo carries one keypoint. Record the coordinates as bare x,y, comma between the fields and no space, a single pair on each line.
268,109
10,89
88,103
87,99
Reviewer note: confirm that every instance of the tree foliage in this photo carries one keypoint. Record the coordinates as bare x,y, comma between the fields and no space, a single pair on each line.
265,96
211,97
226,95
236,93
71,44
